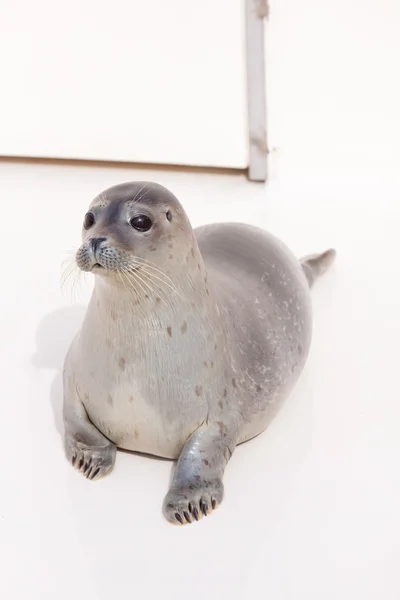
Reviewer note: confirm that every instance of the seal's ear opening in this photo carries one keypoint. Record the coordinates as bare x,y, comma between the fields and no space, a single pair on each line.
168,214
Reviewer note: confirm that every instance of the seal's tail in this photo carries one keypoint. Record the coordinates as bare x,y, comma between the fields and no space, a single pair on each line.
317,264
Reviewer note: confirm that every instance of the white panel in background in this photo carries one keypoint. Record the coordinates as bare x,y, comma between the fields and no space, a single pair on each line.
128,80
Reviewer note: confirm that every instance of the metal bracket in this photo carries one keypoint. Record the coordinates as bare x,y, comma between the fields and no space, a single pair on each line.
256,12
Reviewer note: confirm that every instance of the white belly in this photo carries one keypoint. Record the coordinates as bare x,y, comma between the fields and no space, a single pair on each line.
137,410
145,384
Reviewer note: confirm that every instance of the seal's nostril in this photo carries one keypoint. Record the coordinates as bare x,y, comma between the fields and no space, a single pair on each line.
95,243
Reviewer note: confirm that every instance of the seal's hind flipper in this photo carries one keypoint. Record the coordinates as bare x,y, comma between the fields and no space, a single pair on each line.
317,264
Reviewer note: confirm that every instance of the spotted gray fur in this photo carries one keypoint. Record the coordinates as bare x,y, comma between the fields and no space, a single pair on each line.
191,341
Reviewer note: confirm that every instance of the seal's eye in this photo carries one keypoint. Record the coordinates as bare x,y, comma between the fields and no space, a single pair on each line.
141,223
89,220
168,214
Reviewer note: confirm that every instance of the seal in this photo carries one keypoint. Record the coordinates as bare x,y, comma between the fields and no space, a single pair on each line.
191,341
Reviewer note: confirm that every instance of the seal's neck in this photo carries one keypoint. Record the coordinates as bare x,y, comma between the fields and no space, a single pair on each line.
152,294
160,320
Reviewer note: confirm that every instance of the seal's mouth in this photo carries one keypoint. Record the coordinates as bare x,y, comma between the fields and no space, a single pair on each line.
99,267
105,261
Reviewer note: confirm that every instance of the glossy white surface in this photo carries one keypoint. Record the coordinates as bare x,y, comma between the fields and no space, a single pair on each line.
311,506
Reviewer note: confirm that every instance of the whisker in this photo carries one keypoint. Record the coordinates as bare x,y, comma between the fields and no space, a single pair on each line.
142,262
137,194
139,296
137,276
67,270
150,265
122,281
152,290
71,278
153,276
142,196
145,269
125,280
139,284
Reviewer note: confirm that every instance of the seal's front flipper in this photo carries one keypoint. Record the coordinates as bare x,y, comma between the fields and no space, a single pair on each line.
317,264
197,487
93,461
87,449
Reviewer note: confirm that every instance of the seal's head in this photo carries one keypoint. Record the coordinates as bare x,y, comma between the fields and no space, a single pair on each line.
132,225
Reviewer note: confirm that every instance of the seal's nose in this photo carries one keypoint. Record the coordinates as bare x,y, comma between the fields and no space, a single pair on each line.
95,243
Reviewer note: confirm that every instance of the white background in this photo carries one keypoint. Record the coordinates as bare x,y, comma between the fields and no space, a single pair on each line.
312,505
